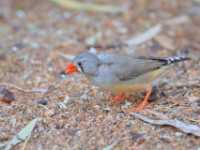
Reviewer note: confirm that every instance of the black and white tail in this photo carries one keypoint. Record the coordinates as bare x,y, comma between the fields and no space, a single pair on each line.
166,60
170,60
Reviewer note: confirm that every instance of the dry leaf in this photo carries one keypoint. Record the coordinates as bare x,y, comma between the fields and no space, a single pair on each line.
193,98
49,113
177,20
191,110
189,83
193,10
145,36
160,115
110,146
68,56
165,42
190,128
89,6
23,134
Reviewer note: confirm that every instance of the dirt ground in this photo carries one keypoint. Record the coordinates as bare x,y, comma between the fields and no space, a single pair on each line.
34,33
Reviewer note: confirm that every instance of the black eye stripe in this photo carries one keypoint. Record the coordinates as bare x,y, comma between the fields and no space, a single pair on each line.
82,68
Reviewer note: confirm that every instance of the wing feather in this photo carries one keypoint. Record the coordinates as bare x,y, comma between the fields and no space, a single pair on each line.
127,67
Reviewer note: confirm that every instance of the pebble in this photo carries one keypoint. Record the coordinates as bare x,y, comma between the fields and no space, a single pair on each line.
106,109
66,100
59,32
34,45
90,41
66,15
67,126
84,97
43,102
20,14
185,50
96,106
2,145
128,124
14,48
63,76
127,103
4,91
123,30
79,133
8,97
93,50
136,135
165,81
178,134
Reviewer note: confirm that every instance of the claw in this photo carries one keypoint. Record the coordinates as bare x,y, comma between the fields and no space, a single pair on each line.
143,105
139,108
118,98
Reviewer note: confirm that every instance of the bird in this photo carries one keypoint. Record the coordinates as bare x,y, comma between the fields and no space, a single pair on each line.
121,73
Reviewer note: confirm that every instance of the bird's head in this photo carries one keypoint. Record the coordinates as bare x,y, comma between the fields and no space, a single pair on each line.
86,63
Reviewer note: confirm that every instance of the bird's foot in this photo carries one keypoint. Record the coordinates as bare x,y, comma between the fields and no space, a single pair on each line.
139,108
119,98
143,105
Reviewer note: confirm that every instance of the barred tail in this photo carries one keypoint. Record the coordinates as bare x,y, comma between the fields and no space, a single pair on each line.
171,60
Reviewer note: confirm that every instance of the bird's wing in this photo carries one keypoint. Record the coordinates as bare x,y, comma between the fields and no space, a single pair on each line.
127,67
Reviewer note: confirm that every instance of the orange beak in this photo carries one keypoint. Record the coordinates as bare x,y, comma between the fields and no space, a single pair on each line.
71,68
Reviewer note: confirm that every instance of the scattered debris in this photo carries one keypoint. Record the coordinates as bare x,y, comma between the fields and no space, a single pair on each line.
22,90
158,114
89,6
23,134
145,36
136,135
43,102
178,134
106,109
165,42
8,96
70,57
111,146
49,113
190,128
128,124
66,100
96,106
177,20
187,84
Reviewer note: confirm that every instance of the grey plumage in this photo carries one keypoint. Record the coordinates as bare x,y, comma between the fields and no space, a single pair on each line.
120,73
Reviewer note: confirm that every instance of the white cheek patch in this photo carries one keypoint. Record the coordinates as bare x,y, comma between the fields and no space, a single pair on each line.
79,69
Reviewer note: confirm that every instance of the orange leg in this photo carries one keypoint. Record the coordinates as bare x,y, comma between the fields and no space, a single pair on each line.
118,98
143,105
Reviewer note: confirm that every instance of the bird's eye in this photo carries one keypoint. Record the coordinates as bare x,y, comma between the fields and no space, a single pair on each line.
79,63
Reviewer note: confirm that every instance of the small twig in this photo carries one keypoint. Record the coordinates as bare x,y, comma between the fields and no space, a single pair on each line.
190,83
44,107
169,107
107,46
194,120
160,115
25,91
24,145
